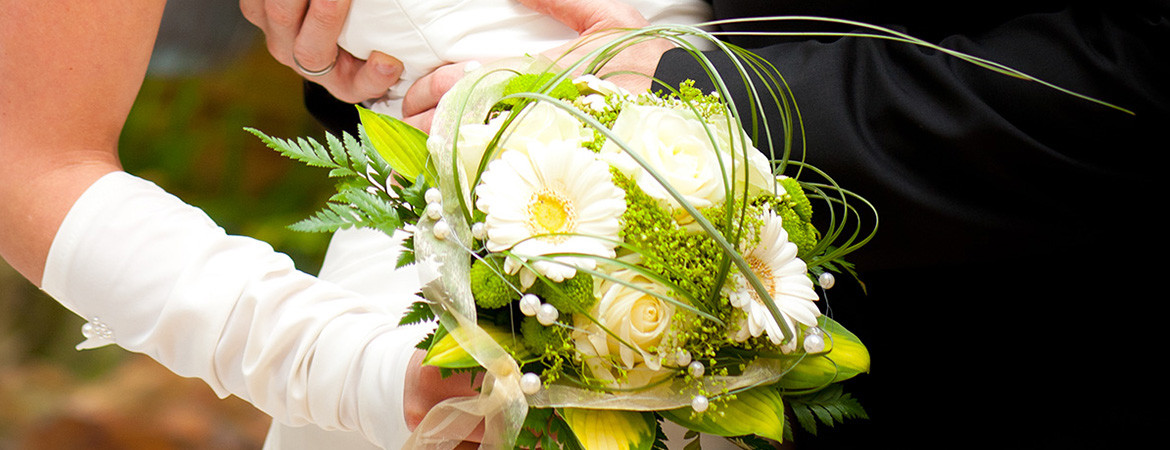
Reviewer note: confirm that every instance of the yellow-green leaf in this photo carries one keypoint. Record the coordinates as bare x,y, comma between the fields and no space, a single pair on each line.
846,357
445,351
759,411
402,146
602,429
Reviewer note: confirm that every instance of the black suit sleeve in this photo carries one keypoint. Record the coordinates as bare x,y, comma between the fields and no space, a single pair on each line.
997,311
962,161
334,115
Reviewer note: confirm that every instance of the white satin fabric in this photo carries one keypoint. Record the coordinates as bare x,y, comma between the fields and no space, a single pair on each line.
426,34
157,276
322,356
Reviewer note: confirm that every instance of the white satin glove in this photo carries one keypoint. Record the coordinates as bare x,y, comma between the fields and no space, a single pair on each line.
157,276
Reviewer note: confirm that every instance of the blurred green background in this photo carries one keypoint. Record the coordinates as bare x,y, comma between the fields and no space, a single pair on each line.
210,77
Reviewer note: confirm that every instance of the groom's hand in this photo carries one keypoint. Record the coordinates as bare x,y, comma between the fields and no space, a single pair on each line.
590,18
595,21
302,34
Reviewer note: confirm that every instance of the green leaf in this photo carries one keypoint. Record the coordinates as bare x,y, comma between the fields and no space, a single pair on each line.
445,351
611,429
846,357
402,146
758,411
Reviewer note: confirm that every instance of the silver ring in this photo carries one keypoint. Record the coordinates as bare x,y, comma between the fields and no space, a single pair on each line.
315,73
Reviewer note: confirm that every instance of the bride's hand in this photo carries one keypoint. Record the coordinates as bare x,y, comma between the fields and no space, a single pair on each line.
418,105
588,18
302,34
426,387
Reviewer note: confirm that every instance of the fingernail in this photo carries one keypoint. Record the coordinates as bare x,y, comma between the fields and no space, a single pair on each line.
470,66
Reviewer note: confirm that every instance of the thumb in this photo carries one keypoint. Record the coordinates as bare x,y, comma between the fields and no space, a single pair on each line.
587,16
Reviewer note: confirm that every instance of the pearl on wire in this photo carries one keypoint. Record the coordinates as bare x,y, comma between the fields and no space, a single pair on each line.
814,343
826,280
433,195
682,357
479,230
434,210
696,369
547,314
441,230
700,403
529,304
530,383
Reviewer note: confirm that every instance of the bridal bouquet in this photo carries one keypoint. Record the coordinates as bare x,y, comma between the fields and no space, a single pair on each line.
609,260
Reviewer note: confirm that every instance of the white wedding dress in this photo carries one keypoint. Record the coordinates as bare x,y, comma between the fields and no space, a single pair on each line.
426,34
322,355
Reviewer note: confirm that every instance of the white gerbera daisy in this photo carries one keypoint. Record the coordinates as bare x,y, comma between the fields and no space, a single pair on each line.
556,198
773,260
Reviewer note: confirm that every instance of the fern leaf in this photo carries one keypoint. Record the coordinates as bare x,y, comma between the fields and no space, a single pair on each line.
419,311
332,218
337,150
406,257
829,406
299,150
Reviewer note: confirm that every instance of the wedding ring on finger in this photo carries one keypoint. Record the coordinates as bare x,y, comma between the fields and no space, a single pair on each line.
315,73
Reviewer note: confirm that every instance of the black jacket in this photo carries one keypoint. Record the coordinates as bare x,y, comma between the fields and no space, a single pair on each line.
1005,305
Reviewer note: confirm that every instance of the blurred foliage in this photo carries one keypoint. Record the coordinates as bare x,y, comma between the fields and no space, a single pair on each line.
186,134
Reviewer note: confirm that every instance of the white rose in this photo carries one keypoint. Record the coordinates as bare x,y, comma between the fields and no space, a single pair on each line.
635,317
540,123
760,178
675,144
544,123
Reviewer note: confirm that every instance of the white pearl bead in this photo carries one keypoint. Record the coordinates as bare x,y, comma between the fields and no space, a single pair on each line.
433,195
434,210
441,230
696,369
682,357
529,304
530,383
88,331
826,280
479,230
547,314
814,344
700,403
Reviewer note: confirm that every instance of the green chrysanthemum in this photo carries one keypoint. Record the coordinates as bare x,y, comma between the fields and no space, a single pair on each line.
491,287
797,199
800,232
544,339
531,82
574,295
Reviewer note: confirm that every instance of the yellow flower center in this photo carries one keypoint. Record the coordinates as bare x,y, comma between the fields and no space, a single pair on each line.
764,274
549,212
